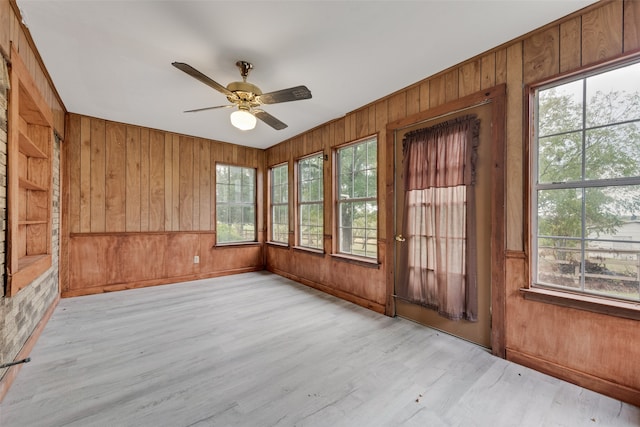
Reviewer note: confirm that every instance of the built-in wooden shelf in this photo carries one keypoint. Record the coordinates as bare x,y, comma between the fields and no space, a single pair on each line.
31,222
29,260
30,124
29,148
24,183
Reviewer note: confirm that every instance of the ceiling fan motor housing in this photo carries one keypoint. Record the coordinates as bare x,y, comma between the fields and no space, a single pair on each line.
247,92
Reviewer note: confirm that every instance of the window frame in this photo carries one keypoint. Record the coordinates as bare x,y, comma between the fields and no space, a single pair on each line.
565,296
338,201
299,203
273,205
254,204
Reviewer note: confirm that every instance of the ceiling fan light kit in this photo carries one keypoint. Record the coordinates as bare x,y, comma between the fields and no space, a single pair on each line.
243,120
247,97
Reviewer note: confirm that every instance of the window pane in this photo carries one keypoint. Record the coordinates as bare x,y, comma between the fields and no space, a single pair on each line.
372,183
235,204
560,158
588,185
372,154
614,96
372,215
560,212
360,157
345,159
222,174
560,109
608,209
613,152
559,262
357,185
346,185
612,268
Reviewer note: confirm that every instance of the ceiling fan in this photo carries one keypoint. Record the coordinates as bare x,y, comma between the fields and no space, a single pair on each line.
247,97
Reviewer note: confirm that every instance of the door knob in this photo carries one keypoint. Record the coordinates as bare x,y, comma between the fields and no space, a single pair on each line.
400,238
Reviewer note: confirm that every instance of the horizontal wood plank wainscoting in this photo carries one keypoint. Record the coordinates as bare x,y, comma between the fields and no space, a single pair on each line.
142,206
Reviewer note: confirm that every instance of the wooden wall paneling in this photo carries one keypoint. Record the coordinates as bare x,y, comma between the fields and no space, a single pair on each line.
180,248
437,93
140,256
631,29
331,134
145,189
204,185
156,181
469,78
397,106
85,175
541,55
261,198
168,182
97,176
451,88
186,179
227,156
216,153
501,66
133,216
570,44
362,122
602,33
195,190
6,16
67,162
350,127
424,97
115,177
488,71
413,100
175,182
372,118
384,165
317,140
340,135
515,149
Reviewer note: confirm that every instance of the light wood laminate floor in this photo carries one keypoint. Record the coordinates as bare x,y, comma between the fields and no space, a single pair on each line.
257,349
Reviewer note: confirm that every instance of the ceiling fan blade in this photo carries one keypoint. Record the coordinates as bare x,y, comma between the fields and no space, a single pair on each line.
269,119
208,108
285,95
204,79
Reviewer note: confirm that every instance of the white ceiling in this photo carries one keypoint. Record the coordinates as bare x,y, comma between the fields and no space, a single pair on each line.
112,59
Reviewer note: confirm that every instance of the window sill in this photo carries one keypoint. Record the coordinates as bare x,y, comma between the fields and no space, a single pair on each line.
628,310
311,251
364,262
236,244
278,245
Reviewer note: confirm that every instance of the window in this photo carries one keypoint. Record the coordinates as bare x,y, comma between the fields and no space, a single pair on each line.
280,204
310,202
235,204
586,184
357,202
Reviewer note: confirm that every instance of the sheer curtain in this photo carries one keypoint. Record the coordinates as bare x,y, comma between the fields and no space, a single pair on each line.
439,218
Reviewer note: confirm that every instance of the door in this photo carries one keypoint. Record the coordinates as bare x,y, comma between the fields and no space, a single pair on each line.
478,332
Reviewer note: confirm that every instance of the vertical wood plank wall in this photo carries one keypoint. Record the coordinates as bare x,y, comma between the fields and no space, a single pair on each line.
594,350
141,206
